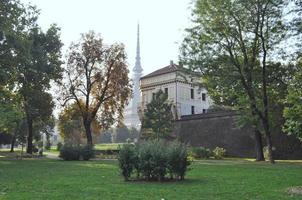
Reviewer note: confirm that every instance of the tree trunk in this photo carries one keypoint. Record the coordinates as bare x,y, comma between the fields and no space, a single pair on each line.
30,135
258,146
270,149
269,142
13,141
87,126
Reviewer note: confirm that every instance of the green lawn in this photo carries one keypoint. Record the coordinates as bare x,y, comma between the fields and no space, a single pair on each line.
109,146
227,179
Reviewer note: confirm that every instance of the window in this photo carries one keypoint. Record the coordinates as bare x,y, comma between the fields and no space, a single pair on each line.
204,110
153,96
203,96
166,91
192,93
192,110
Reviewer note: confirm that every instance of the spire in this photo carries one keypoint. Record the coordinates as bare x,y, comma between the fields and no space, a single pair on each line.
138,68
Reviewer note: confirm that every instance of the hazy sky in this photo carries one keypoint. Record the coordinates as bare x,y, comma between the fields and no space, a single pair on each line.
161,25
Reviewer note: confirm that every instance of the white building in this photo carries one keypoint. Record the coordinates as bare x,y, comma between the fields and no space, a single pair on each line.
182,89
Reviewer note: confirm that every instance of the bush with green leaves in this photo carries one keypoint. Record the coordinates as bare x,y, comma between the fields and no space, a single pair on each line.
127,159
87,152
200,153
71,151
219,153
153,160
177,160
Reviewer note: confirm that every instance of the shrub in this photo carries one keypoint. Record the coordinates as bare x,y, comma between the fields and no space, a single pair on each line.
177,160
126,159
59,146
200,153
87,152
219,153
153,160
70,151
158,160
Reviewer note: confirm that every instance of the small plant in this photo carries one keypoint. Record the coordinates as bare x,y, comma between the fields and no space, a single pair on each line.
177,160
200,153
70,151
87,152
219,153
126,160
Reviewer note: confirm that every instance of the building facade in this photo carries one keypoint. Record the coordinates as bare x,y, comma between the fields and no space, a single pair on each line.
182,88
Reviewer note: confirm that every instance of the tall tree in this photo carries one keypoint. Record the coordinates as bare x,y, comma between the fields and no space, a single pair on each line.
97,75
239,38
30,59
158,119
293,109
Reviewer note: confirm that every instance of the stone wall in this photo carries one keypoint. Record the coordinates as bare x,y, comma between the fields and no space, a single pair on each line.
219,129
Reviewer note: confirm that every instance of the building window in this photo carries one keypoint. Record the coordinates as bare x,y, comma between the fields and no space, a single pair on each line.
203,96
153,96
204,110
192,110
192,93
166,91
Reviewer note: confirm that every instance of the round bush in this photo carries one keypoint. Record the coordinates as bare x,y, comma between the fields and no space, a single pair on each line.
70,151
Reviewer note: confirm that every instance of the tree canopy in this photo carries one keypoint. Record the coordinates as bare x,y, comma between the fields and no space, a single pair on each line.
97,75
157,121
234,44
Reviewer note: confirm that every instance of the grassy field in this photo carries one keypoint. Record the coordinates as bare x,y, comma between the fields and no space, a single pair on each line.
226,179
109,146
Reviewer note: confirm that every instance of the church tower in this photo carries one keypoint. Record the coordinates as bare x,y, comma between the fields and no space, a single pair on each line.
131,114
137,74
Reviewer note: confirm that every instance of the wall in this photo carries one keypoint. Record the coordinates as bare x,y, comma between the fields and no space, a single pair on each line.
219,129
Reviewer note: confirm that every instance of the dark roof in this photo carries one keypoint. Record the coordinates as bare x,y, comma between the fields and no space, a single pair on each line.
168,69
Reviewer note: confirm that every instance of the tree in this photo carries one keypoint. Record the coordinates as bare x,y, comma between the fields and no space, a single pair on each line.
293,109
70,124
233,43
158,119
41,66
30,59
12,20
97,75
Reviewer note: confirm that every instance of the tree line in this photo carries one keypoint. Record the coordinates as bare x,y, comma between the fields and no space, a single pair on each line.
94,78
249,55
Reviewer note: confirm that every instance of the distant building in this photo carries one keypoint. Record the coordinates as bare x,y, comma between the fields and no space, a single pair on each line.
182,89
131,118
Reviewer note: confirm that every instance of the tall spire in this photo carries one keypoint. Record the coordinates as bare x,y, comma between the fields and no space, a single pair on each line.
138,68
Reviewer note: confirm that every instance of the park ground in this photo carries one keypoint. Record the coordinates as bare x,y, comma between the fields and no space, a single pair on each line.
47,178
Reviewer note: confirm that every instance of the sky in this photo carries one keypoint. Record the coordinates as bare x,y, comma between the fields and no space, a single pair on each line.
162,24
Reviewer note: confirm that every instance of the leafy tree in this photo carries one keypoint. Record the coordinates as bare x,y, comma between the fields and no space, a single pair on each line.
12,21
30,59
233,43
97,75
70,124
158,119
293,109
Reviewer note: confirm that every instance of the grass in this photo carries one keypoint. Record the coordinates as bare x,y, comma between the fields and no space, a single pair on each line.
109,146
208,179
